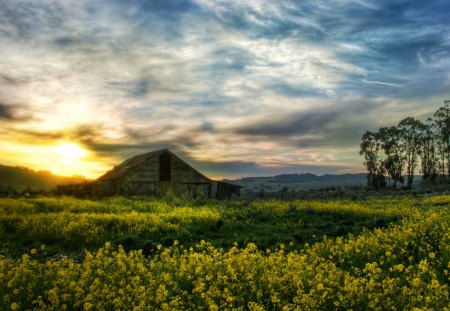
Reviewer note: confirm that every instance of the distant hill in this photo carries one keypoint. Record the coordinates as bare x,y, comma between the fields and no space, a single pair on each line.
300,181
21,178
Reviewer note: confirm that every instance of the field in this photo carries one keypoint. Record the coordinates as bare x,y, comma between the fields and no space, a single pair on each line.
118,253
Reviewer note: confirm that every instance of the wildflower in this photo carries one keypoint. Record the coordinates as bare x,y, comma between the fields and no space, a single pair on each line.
423,265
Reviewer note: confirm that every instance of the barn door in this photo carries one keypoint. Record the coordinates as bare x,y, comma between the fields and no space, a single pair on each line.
165,167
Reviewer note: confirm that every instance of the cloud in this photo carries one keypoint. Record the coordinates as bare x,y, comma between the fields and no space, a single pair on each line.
13,113
252,82
6,112
302,123
311,121
164,7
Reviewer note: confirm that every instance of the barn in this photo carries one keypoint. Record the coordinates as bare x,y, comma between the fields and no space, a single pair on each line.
155,173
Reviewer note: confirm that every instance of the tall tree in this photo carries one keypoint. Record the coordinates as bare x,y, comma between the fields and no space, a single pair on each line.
391,149
370,148
409,145
395,159
442,122
429,158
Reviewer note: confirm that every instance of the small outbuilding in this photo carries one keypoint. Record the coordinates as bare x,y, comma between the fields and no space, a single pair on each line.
155,173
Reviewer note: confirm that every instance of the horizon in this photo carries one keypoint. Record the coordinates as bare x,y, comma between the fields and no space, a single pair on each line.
243,89
214,177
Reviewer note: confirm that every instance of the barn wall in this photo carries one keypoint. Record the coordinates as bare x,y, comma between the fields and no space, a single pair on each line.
227,191
108,188
148,172
144,180
183,173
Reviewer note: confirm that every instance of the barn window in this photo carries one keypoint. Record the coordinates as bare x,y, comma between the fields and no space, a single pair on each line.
165,168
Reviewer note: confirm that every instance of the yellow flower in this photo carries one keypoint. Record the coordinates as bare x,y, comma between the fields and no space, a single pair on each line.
14,306
423,265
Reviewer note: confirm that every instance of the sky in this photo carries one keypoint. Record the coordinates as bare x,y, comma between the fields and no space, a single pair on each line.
235,88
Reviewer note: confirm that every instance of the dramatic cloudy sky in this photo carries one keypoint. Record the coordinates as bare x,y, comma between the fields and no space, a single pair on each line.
236,88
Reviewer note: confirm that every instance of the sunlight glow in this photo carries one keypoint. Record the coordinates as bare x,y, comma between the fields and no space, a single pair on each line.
68,159
70,151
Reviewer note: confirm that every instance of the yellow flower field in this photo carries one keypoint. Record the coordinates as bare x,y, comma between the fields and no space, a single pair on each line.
402,266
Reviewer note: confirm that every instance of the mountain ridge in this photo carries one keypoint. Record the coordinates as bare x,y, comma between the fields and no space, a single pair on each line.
301,181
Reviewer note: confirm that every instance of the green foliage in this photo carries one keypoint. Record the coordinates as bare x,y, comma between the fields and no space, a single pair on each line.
392,149
410,143
370,147
400,266
68,225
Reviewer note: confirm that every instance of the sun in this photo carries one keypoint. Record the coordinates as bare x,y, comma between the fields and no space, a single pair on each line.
70,151
68,159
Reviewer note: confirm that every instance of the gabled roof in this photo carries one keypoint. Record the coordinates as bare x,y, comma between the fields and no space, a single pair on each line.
129,165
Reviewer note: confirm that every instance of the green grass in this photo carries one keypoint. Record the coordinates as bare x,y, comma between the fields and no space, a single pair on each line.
68,225
384,253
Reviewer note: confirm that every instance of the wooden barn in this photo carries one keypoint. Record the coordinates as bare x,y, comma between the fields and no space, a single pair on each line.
155,173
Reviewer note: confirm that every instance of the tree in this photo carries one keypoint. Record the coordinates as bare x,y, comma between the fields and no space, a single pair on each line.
395,159
409,145
427,150
442,123
370,147
403,145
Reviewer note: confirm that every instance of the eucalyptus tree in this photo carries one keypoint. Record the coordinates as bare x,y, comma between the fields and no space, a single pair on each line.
409,130
395,158
428,155
442,123
370,147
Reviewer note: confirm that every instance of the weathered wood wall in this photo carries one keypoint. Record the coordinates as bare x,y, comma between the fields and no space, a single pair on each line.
146,179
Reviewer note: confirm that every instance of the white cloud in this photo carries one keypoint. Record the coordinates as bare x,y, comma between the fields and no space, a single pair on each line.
231,63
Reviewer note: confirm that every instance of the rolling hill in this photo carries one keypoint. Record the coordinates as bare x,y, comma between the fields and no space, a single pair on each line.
22,178
300,181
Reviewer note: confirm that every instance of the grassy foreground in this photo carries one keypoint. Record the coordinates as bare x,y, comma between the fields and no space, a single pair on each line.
387,253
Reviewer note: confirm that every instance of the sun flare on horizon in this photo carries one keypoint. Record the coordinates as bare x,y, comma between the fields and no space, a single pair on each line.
68,158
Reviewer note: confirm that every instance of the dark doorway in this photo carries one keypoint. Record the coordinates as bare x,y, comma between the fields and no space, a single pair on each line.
165,168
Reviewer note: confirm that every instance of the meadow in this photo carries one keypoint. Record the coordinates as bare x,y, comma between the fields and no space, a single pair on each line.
61,253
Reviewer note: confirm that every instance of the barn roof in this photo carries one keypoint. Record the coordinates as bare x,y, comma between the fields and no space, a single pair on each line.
125,167
128,165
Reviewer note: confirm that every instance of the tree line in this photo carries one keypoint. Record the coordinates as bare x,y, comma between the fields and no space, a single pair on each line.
394,153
